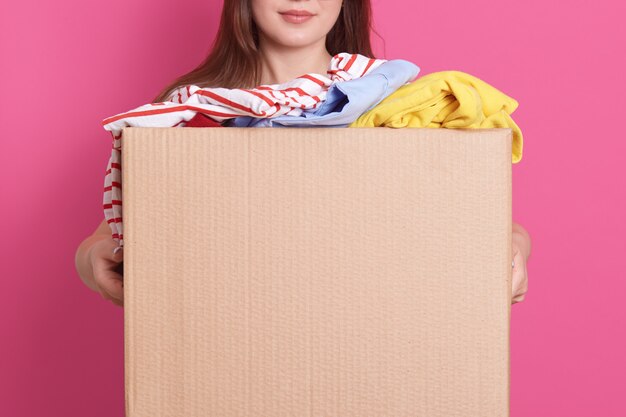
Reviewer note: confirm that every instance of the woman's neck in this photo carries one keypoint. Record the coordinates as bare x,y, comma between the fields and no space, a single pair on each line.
280,63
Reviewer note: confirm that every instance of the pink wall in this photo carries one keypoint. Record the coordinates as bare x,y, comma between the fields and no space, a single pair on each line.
66,65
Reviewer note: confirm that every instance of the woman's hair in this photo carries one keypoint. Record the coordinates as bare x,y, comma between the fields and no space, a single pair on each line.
234,58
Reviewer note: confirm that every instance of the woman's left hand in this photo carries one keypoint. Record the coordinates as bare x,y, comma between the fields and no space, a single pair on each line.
521,252
520,277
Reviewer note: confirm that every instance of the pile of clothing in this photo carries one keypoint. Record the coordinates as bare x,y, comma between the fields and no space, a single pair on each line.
357,92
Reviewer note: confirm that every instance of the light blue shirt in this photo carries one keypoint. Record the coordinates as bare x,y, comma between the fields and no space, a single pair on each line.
345,100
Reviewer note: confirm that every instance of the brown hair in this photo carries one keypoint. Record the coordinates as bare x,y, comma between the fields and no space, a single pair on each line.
234,58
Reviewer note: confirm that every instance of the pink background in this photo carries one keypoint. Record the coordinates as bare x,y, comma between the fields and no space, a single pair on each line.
66,65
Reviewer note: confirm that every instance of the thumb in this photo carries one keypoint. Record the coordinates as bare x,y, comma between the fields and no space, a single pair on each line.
117,254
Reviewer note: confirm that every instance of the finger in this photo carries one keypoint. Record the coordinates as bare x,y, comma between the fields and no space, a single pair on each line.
113,286
115,301
108,281
518,284
114,253
108,294
518,294
119,303
520,280
523,270
110,251
517,277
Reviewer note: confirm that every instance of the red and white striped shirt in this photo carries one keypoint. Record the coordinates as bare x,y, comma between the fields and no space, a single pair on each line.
303,93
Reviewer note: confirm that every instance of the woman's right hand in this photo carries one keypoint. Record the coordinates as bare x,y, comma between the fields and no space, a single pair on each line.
108,270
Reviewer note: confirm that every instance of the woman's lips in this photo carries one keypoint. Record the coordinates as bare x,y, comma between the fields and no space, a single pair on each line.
296,18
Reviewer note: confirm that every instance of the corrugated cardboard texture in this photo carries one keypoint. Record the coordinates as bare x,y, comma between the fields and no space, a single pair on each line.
297,272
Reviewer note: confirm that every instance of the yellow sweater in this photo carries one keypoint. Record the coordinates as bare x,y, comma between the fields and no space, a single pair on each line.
448,99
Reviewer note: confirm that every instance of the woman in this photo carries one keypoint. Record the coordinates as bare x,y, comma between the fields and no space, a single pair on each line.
267,42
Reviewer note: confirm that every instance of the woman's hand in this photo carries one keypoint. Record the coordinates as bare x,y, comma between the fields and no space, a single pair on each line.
108,270
520,277
521,252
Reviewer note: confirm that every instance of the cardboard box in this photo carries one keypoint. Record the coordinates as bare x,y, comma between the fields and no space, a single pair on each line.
331,272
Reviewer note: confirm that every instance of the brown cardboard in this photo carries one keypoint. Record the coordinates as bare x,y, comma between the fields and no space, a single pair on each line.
331,272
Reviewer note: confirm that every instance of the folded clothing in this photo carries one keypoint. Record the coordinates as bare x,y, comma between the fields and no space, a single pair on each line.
293,97
345,101
446,99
